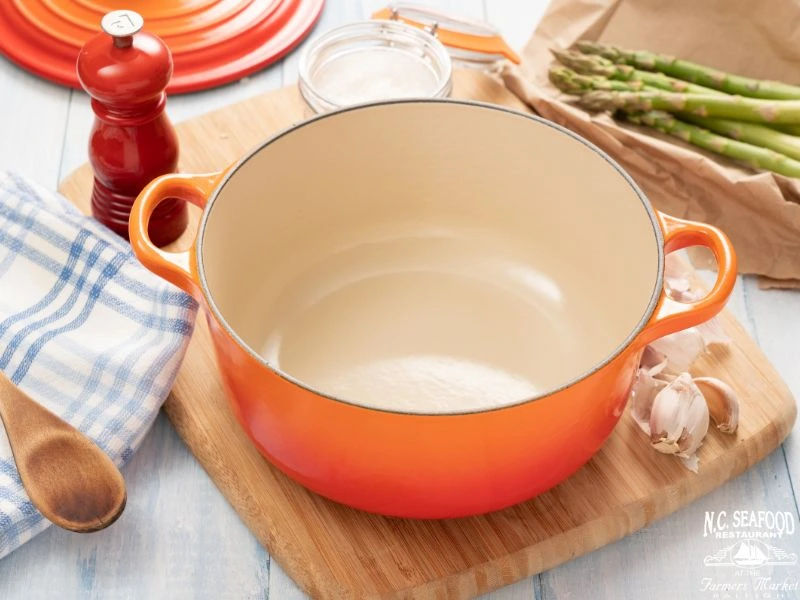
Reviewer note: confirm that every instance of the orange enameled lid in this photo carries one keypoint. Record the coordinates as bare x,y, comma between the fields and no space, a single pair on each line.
212,41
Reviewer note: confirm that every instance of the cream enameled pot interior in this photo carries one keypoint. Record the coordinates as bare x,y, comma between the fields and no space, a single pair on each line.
430,256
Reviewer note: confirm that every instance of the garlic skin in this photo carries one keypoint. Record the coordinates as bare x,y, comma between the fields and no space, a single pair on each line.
679,420
723,403
646,386
677,281
681,348
643,393
653,361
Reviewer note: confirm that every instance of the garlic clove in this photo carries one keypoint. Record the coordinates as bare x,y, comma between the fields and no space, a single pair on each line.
680,289
677,280
681,348
644,390
653,361
723,403
679,418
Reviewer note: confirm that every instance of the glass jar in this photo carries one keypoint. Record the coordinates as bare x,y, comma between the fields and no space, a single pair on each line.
373,60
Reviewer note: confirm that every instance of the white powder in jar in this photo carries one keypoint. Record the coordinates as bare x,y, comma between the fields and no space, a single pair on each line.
369,74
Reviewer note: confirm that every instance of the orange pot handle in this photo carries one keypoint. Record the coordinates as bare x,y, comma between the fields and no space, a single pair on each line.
176,267
670,315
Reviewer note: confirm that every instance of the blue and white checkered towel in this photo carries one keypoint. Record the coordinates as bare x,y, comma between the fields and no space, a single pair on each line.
84,329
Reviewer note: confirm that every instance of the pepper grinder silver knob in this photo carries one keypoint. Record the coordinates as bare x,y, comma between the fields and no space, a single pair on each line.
122,25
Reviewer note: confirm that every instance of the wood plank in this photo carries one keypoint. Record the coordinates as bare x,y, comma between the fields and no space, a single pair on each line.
776,316
281,586
322,545
468,9
526,589
160,547
31,107
76,138
186,106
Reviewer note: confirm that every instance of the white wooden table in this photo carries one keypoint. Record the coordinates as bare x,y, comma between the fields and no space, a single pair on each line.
178,538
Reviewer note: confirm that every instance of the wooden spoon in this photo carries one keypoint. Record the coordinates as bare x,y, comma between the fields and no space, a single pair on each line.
68,478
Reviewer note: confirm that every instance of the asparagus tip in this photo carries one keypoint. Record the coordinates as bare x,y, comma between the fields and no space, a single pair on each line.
598,100
588,46
563,78
559,54
607,51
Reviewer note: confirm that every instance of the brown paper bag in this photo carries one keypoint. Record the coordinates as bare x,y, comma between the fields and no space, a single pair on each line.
759,211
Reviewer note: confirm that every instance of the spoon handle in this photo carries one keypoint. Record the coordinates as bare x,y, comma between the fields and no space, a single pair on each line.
71,481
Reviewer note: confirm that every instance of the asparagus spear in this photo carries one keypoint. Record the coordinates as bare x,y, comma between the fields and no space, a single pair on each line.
693,72
752,133
787,128
729,107
570,82
768,136
594,64
754,156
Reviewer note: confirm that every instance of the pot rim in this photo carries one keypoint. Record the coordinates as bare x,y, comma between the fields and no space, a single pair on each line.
230,172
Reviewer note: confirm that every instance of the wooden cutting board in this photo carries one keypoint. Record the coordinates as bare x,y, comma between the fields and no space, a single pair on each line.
335,552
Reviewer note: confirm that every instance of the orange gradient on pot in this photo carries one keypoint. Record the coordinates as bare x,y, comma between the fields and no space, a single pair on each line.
429,309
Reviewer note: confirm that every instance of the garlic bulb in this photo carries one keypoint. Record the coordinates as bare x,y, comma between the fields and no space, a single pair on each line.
723,403
670,407
679,420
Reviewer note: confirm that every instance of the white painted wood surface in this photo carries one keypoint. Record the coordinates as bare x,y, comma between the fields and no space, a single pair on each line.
178,537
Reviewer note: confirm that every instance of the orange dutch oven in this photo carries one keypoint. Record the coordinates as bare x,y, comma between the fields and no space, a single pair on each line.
429,308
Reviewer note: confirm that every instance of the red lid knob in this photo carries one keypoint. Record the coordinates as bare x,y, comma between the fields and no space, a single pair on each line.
116,66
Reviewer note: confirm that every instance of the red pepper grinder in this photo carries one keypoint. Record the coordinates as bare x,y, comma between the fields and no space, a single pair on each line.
125,71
